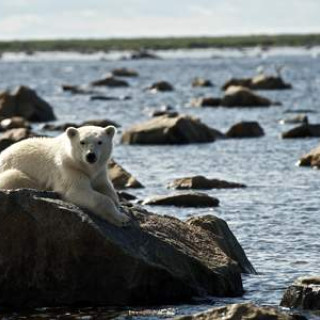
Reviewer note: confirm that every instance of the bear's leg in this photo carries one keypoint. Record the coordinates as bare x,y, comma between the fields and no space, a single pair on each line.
15,179
103,185
98,203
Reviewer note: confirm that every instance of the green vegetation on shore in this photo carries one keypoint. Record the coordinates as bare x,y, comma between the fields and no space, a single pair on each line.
91,45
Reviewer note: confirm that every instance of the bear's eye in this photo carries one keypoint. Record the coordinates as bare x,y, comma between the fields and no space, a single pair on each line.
82,143
99,142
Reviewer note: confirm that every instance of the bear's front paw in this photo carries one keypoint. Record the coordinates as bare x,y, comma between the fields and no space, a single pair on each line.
123,218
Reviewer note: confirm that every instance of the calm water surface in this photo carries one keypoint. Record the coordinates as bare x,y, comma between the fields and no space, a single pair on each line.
276,219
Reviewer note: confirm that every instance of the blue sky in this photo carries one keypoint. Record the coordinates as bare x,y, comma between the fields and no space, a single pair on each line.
36,19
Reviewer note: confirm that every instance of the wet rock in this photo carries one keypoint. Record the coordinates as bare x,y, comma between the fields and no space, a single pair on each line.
111,82
302,131
158,113
206,102
186,199
303,294
121,178
201,82
109,98
182,129
12,136
161,86
243,311
14,123
24,102
299,118
201,182
311,159
243,97
259,82
124,72
95,122
143,54
126,196
245,129
53,253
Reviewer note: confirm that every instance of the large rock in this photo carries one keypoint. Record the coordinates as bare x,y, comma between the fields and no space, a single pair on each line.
245,129
242,311
303,131
12,136
311,159
303,294
24,102
121,178
52,254
186,199
201,182
181,129
259,82
110,81
237,96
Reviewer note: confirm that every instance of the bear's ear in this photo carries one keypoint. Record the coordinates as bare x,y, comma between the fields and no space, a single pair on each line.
72,132
110,131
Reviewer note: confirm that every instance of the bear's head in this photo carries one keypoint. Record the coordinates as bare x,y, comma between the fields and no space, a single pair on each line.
91,145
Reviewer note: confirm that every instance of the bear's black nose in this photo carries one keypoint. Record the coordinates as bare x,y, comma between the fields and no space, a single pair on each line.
91,157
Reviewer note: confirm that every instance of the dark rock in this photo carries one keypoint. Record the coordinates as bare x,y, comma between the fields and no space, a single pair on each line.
311,159
303,294
245,129
109,98
121,178
201,182
170,114
124,72
200,82
161,86
302,131
14,123
25,103
206,102
77,90
299,118
126,196
110,81
259,82
12,136
243,97
170,130
52,254
242,311
187,199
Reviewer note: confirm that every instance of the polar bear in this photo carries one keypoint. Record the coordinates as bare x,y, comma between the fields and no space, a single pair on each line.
73,164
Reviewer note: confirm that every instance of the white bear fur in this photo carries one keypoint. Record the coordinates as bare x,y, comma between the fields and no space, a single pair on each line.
60,164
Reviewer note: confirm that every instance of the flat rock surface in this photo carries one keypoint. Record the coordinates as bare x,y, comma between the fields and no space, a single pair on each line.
52,253
186,199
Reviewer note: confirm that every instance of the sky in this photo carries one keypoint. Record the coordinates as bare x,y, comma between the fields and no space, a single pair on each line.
63,19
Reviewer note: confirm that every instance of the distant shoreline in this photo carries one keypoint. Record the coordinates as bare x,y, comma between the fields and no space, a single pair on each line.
93,45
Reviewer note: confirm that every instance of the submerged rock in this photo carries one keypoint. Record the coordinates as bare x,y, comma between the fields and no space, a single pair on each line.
242,311
303,294
181,129
186,199
303,131
143,54
237,96
110,81
201,182
52,253
201,82
24,102
124,72
245,129
121,178
77,89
